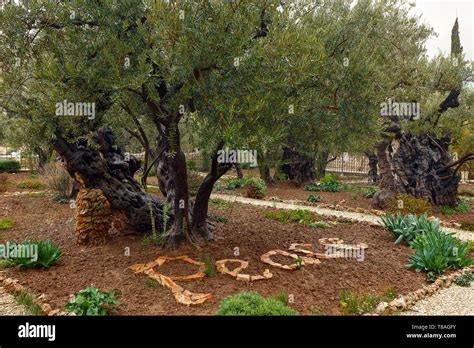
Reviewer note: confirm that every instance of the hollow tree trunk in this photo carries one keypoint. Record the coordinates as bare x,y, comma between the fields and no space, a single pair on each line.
418,165
299,168
106,179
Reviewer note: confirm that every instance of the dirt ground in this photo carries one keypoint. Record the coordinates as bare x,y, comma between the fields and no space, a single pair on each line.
315,288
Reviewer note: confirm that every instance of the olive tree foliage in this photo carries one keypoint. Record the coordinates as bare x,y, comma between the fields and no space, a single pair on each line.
214,64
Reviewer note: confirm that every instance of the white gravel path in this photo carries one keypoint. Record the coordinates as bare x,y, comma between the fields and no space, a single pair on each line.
455,300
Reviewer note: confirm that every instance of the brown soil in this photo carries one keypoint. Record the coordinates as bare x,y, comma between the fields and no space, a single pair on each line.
16,178
314,286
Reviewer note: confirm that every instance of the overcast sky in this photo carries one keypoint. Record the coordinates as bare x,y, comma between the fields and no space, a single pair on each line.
440,15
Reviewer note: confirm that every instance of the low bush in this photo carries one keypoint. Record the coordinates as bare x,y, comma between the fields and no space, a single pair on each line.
58,180
32,185
437,252
92,301
328,184
462,207
47,254
255,187
5,223
407,227
253,304
232,184
9,166
407,204
314,198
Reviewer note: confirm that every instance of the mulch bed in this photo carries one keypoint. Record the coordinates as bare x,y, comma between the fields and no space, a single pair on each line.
315,288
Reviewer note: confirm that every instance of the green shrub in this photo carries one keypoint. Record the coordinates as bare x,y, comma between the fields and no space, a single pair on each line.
5,223
311,187
407,227
464,279
234,183
253,304
48,254
462,207
314,198
369,192
328,184
411,205
255,187
33,185
91,302
437,251
9,166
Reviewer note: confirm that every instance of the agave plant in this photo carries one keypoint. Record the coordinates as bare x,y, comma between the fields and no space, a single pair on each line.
438,251
407,227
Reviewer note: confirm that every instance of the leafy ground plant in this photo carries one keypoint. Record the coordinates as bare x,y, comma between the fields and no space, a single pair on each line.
255,187
369,192
354,304
407,227
328,184
47,254
437,251
314,198
253,304
462,207
92,302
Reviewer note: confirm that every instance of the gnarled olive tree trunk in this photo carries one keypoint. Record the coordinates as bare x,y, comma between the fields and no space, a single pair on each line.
419,165
299,168
106,180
